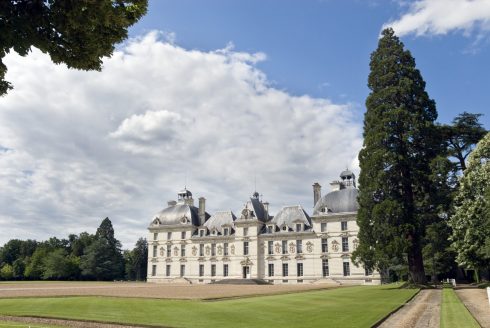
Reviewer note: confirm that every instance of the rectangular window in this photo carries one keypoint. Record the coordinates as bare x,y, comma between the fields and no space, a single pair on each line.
225,249
169,250
201,249
324,245
284,246
345,244
153,270
323,226
225,270
182,235
343,225
270,247
213,270
169,235
245,231
299,269
284,269
201,233
154,250
225,231
325,270
167,270
299,246
155,236
182,270
213,249
182,250
245,248
368,272
270,229
298,227
271,270
201,270
346,269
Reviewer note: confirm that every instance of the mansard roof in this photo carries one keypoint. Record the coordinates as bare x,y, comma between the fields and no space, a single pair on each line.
177,214
219,219
339,201
291,215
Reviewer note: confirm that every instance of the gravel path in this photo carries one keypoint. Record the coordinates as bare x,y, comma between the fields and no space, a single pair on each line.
423,311
62,323
145,290
476,301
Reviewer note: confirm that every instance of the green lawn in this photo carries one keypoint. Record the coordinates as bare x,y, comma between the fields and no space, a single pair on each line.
359,306
453,312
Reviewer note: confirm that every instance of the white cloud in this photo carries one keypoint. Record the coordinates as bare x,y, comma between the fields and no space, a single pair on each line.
76,147
436,17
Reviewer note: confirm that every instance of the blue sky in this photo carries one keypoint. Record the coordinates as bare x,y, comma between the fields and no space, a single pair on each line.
218,95
322,48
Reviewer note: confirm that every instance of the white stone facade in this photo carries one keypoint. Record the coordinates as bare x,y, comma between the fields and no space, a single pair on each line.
298,250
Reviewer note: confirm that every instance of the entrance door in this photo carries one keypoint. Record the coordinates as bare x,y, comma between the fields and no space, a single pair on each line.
246,272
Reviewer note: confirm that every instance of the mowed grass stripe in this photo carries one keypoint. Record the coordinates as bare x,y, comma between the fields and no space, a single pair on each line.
453,312
359,306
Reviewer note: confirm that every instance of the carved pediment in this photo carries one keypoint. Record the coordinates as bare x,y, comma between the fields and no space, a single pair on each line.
225,259
325,257
299,257
154,260
201,259
182,259
168,259
213,259
156,222
270,258
285,258
246,261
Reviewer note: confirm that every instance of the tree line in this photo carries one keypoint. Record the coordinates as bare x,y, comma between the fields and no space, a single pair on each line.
79,257
424,188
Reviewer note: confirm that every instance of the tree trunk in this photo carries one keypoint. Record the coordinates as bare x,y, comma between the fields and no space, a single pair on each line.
415,263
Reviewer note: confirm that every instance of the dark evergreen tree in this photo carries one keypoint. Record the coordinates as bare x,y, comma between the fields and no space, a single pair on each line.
103,259
462,136
400,142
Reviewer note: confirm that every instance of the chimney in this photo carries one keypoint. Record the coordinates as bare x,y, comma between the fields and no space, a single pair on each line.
202,210
171,203
317,193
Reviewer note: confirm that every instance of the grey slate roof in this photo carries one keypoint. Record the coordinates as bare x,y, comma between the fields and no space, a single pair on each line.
290,215
218,219
173,215
343,200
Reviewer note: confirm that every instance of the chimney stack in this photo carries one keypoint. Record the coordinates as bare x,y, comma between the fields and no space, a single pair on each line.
202,210
317,193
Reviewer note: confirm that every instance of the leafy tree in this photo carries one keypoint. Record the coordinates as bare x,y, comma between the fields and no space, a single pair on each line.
18,268
400,143
471,222
136,261
35,264
462,136
75,32
7,272
103,259
58,265
11,251
79,243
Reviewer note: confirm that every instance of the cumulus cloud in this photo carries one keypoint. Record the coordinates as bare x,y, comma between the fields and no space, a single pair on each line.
76,147
436,17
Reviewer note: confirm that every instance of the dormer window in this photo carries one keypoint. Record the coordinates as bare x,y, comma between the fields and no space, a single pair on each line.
201,233
214,232
299,227
225,232
270,229
284,228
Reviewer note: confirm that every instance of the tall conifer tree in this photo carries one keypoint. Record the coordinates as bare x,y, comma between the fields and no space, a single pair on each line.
400,142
